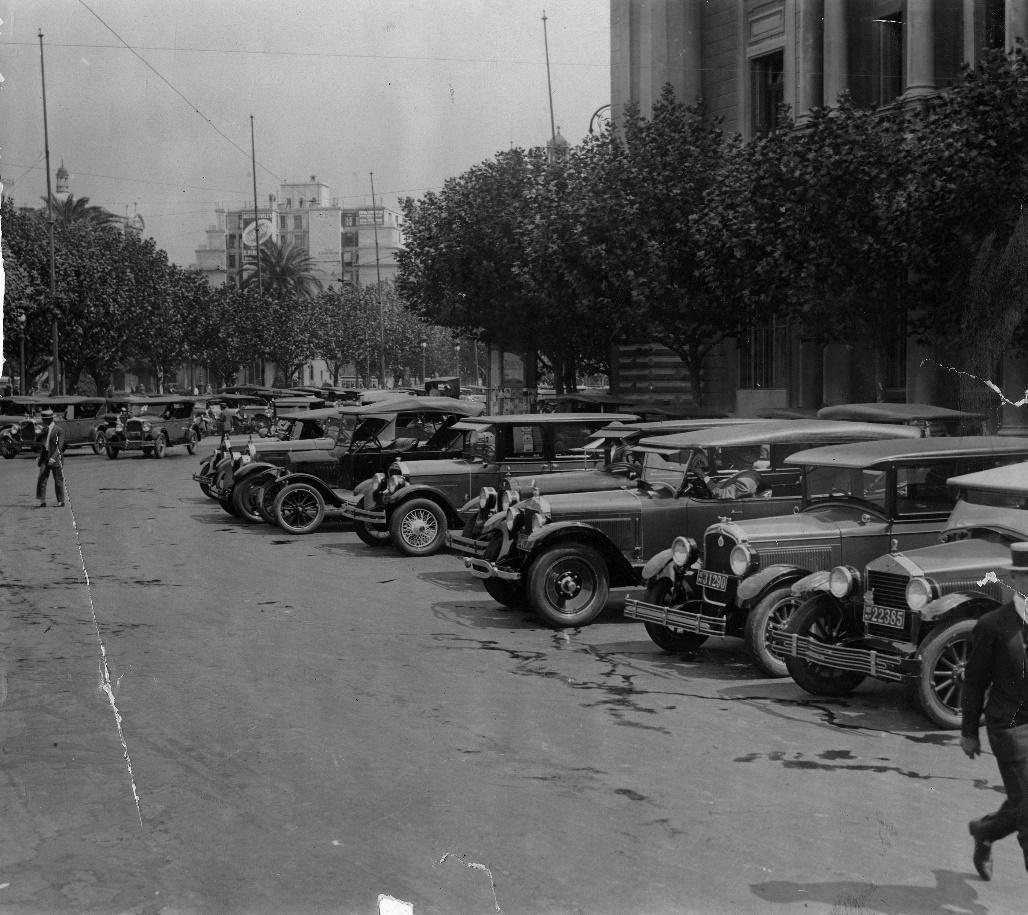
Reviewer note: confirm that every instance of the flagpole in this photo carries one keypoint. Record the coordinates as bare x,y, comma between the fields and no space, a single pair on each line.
55,371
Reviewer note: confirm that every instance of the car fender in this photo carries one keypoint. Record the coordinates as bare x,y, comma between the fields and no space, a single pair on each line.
776,576
622,573
658,566
326,491
423,491
958,604
248,470
815,581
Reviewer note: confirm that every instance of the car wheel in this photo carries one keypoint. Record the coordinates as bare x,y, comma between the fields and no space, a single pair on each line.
660,591
371,534
113,451
266,502
826,622
418,527
192,441
772,612
148,452
226,505
508,593
299,509
99,443
244,495
568,586
8,449
940,685
205,488
159,446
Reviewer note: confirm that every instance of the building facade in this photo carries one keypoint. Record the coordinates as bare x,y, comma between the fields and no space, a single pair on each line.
748,58
345,244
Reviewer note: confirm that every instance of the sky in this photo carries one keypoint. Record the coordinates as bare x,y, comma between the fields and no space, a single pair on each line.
149,103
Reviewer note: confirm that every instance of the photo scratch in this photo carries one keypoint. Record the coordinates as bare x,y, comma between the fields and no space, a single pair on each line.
475,866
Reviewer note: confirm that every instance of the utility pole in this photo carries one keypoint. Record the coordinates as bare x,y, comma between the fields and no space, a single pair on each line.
549,89
256,231
55,372
378,278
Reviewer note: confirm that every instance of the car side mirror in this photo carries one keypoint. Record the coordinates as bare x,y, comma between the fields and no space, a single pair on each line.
864,518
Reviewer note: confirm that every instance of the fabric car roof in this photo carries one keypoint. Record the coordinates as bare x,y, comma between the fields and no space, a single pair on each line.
771,431
871,454
1012,477
893,412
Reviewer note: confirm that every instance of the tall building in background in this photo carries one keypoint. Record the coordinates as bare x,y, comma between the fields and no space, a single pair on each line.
745,59
340,241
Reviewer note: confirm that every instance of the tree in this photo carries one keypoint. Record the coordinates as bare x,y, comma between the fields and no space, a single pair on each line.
72,209
285,270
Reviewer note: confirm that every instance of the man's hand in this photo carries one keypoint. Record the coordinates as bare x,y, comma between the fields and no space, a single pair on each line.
971,746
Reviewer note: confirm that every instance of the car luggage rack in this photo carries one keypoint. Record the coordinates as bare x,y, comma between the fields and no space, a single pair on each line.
857,660
674,617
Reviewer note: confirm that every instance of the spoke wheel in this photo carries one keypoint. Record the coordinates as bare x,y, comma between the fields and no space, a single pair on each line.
661,592
266,502
159,447
372,535
568,586
243,500
940,685
113,451
773,612
824,620
418,527
8,449
99,443
299,509
192,441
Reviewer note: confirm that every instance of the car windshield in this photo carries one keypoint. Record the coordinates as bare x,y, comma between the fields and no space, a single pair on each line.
481,443
341,429
662,468
834,483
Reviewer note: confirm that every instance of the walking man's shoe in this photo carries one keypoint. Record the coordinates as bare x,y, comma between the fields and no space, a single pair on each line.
41,505
60,505
982,856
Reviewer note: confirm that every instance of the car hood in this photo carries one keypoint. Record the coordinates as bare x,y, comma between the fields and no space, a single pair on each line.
817,524
573,481
441,467
266,445
970,558
570,504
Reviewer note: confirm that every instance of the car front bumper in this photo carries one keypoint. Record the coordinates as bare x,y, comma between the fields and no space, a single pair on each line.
483,568
881,665
675,617
355,511
468,545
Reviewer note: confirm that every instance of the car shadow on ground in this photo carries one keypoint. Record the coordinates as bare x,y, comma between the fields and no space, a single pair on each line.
953,892
485,613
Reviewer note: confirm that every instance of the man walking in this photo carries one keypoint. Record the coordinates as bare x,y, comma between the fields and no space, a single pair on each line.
50,459
997,666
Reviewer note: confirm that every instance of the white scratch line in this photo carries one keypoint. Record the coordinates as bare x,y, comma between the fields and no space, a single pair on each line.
991,385
991,578
478,867
105,671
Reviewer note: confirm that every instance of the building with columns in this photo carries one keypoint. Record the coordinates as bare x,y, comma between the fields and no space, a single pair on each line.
746,58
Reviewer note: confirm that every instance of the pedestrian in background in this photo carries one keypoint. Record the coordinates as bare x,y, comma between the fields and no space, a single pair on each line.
49,459
996,667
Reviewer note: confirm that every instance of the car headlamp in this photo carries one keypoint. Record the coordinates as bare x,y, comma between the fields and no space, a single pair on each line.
378,482
682,550
536,520
39,430
486,498
919,592
508,498
393,482
743,559
146,427
251,449
843,581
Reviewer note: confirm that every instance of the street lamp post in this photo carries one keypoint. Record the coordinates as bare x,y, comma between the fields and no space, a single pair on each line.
21,330
424,356
456,350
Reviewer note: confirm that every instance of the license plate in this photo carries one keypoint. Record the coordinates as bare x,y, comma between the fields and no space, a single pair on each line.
714,580
523,542
885,616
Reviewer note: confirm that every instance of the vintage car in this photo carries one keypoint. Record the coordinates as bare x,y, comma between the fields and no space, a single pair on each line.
857,500
79,417
560,554
907,616
614,442
301,431
163,422
17,425
930,419
413,506
366,441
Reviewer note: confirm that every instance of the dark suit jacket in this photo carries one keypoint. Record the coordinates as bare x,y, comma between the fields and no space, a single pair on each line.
996,665
56,442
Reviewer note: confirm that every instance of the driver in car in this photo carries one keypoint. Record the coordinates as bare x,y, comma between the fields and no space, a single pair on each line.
744,483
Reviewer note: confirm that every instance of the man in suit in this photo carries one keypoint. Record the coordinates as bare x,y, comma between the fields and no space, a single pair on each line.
996,667
50,459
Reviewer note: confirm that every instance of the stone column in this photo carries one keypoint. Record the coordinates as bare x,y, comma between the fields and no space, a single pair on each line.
837,378
1015,22
836,78
653,46
920,41
687,23
1014,420
810,43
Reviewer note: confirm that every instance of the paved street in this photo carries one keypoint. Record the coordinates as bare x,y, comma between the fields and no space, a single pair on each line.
307,723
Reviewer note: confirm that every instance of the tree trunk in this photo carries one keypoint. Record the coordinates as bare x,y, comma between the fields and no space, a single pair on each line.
694,363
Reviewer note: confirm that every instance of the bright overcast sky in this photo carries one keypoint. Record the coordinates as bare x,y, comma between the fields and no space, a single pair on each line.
413,91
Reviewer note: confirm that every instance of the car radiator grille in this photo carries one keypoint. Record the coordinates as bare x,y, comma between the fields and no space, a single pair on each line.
889,590
812,558
715,557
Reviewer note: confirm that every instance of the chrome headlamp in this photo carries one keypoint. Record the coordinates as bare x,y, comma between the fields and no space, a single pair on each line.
508,498
535,520
743,559
146,427
844,581
393,482
486,499
378,482
683,549
919,592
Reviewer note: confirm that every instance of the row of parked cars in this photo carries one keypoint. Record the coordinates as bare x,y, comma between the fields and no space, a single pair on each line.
837,549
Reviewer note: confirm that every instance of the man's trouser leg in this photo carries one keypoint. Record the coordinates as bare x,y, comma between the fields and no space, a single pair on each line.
1011,748
44,475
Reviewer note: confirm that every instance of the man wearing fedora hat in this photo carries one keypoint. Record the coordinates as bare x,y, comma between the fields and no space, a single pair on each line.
50,459
996,667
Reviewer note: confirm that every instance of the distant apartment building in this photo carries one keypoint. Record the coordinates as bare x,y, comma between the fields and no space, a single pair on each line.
745,59
340,241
